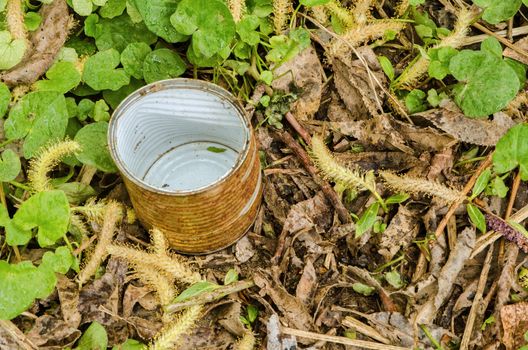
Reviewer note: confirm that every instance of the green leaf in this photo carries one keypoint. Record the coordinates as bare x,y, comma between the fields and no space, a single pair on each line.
252,313
61,261
434,99
156,15
47,211
100,72
363,289
518,227
32,21
9,166
394,279
100,111
11,51
216,149
367,220
397,198
496,11
133,12
95,338
492,46
114,98
489,321
481,183
162,64
94,147
476,217
266,77
85,108
439,61
246,29
62,77
5,99
497,187
130,344
113,8
387,67
512,151
82,7
195,290
117,33
284,48
230,277
415,101
132,59
416,2
208,21
487,85
77,192
39,117
16,295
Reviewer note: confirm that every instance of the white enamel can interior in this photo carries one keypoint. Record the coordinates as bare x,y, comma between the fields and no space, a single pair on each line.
180,138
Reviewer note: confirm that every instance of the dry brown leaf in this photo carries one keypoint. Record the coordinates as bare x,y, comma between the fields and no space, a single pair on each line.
305,72
337,111
138,295
313,212
397,161
53,333
295,312
244,250
46,42
521,44
476,131
307,284
514,323
11,337
400,232
68,292
229,318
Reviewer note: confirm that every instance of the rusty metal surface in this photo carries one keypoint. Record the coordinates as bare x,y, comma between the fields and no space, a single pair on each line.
195,220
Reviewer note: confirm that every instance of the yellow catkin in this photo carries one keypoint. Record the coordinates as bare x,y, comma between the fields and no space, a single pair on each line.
247,342
413,185
237,8
331,169
46,161
159,242
169,337
361,11
402,8
160,283
414,73
281,10
341,13
359,35
319,13
164,264
15,21
75,220
92,210
112,216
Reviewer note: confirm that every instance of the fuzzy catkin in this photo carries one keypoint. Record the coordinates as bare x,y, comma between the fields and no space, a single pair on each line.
46,161
247,342
237,8
15,21
159,242
413,185
162,285
341,13
281,10
112,216
332,170
169,337
361,11
164,264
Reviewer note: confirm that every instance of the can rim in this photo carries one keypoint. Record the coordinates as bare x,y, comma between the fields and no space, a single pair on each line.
175,83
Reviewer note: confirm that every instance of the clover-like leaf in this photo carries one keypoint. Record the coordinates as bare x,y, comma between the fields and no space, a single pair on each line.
11,50
117,33
487,83
49,212
439,61
156,15
286,47
162,64
496,11
94,147
9,166
5,99
39,117
100,72
512,151
132,58
208,21
61,261
113,8
62,77
16,296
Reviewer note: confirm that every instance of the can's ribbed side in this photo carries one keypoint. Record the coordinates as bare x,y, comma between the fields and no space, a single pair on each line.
208,221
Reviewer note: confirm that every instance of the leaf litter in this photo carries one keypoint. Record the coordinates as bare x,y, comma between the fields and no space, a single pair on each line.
375,246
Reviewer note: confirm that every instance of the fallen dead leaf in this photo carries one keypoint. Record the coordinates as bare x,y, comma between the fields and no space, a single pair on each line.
307,284
68,292
400,232
53,333
515,324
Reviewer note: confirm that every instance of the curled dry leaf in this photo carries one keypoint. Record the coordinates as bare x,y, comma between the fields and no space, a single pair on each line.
68,292
476,131
402,229
514,324
521,44
305,72
138,295
307,284
448,275
397,161
53,333
46,42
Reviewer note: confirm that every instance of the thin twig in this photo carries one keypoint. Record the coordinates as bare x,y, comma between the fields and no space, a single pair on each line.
442,225
340,340
17,335
513,195
505,41
479,38
477,301
298,127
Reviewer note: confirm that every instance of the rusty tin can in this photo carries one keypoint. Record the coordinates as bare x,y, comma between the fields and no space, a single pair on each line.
189,160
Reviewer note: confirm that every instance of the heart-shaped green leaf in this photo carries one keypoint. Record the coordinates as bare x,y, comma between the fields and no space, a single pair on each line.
162,64
100,72
156,15
62,77
512,151
496,11
9,166
94,147
11,51
132,58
